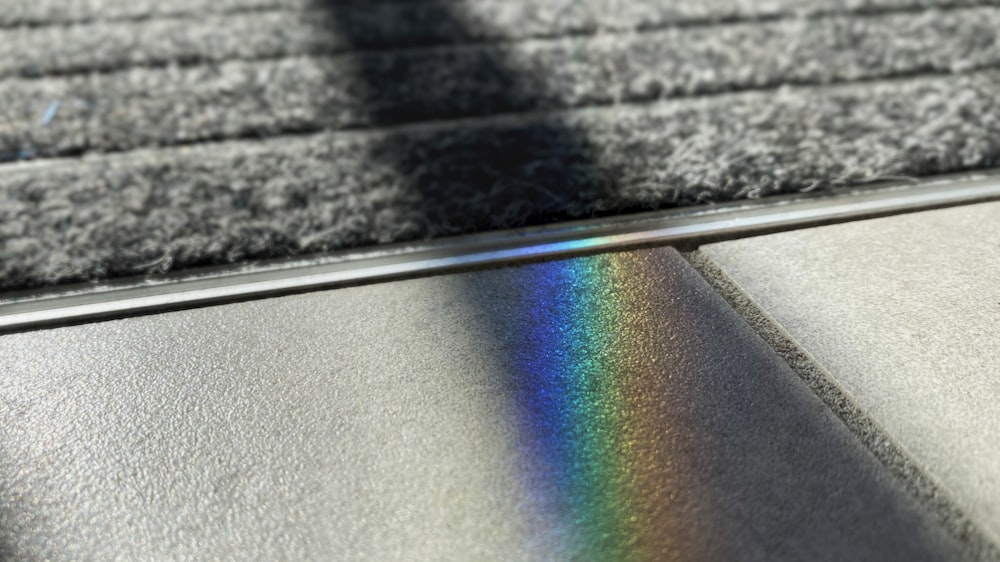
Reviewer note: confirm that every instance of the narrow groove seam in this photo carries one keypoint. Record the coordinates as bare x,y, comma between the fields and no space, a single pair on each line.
920,485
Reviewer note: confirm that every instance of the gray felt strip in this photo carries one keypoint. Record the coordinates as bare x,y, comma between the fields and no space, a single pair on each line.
55,12
153,210
145,107
104,46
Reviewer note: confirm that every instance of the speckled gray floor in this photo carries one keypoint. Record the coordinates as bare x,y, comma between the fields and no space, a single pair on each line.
140,137
906,326
611,407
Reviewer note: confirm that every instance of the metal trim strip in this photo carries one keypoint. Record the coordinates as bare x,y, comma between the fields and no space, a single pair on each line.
92,302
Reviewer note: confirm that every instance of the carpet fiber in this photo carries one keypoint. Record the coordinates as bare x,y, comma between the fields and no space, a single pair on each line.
140,136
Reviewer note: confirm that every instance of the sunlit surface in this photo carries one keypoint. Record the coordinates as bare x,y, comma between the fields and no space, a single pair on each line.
609,407
591,403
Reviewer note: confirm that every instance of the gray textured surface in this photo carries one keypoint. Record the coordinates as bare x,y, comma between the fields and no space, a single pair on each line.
601,406
480,114
156,210
150,107
335,28
518,17
903,312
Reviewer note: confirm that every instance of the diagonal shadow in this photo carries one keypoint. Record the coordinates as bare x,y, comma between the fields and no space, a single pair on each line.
637,439
459,176
629,429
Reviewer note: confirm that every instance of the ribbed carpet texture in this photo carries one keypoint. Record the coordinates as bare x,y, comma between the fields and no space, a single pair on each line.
141,136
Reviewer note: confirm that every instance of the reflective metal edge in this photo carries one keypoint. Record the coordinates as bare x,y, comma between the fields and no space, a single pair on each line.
278,277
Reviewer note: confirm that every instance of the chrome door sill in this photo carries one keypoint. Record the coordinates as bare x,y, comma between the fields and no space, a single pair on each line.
687,227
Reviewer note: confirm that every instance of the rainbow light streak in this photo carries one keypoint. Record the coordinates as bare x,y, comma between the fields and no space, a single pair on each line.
589,387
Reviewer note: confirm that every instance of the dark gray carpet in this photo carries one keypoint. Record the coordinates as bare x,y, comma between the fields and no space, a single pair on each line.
140,136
